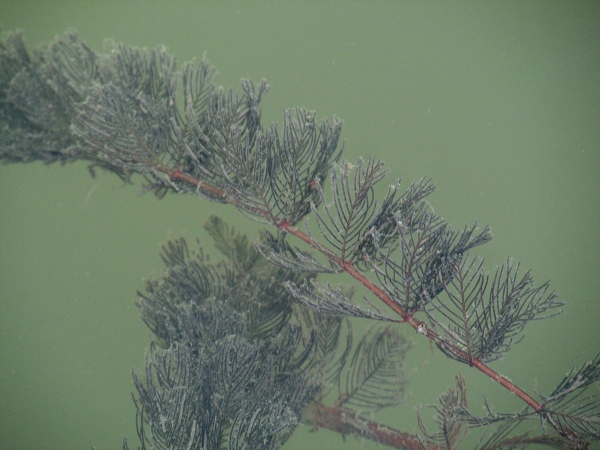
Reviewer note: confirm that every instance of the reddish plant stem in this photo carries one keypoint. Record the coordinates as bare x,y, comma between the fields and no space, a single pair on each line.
376,290
344,421
383,296
502,380
178,175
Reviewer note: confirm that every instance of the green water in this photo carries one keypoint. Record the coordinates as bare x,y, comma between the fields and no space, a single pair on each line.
498,102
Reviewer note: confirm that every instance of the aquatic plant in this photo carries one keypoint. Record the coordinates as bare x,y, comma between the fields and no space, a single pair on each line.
247,348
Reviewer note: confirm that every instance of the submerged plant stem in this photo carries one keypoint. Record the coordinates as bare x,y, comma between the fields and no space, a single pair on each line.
344,421
377,291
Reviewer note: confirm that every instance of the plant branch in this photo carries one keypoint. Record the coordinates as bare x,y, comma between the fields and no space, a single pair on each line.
120,114
384,297
344,421
417,325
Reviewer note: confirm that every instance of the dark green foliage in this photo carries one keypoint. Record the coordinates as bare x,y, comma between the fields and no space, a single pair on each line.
278,251
38,97
226,391
452,428
375,378
353,208
486,323
272,178
120,112
421,264
324,299
574,403
229,367
126,119
236,360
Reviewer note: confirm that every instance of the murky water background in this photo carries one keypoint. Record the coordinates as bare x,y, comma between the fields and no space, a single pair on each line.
498,102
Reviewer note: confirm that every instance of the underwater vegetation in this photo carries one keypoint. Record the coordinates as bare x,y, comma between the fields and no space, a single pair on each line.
246,348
